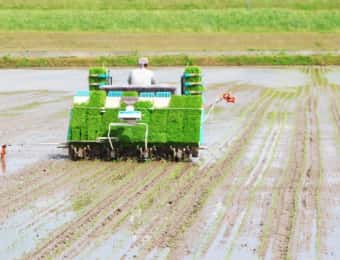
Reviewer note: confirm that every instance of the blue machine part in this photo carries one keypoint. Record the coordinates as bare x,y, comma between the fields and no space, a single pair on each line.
147,94
126,115
102,76
164,94
115,94
83,93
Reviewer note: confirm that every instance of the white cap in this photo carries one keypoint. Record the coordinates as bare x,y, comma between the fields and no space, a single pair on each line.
143,61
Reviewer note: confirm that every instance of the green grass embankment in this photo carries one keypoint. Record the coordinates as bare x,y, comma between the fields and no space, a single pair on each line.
224,20
175,60
169,4
155,25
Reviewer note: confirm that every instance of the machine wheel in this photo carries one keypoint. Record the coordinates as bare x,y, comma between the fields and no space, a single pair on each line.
87,152
107,154
195,151
72,153
187,154
179,155
113,154
80,153
140,154
172,154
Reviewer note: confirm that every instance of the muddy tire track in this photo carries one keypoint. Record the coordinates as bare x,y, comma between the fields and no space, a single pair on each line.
12,184
151,206
169,204
113,220
86,186
85,224
92,212
63,202
329,182
66,179
158,220
303,242
198,194
189,199
253,194
235,209
336,113
285,208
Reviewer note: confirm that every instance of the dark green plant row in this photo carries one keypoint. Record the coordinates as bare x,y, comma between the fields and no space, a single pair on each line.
193,70
98,71
165,125
171,60
186,101
179,124
97,98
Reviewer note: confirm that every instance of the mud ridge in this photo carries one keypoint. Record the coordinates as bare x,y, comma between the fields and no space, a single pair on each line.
85,223
111,222
286,209
190,198
304,231
228,224
20,196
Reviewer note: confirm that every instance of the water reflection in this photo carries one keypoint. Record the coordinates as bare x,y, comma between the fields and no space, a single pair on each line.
3,158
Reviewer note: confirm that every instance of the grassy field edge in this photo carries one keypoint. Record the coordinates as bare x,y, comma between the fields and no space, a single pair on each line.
170,60
224,20
170,4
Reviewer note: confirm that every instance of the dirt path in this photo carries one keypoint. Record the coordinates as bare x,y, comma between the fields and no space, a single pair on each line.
57,44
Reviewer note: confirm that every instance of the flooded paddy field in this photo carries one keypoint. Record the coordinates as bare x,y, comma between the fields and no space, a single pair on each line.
267,186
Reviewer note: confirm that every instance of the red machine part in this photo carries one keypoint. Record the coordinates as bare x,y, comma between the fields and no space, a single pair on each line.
229,98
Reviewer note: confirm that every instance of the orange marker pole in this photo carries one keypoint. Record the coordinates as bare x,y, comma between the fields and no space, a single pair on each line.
229,98
3,152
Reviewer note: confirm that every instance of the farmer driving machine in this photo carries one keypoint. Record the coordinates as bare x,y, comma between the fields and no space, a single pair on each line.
118,122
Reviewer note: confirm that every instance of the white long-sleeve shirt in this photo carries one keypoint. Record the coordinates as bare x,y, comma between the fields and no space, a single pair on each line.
141,77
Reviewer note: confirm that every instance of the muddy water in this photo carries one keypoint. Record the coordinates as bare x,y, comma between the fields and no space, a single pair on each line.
25,229
35,108
75,79
30,102
333,76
